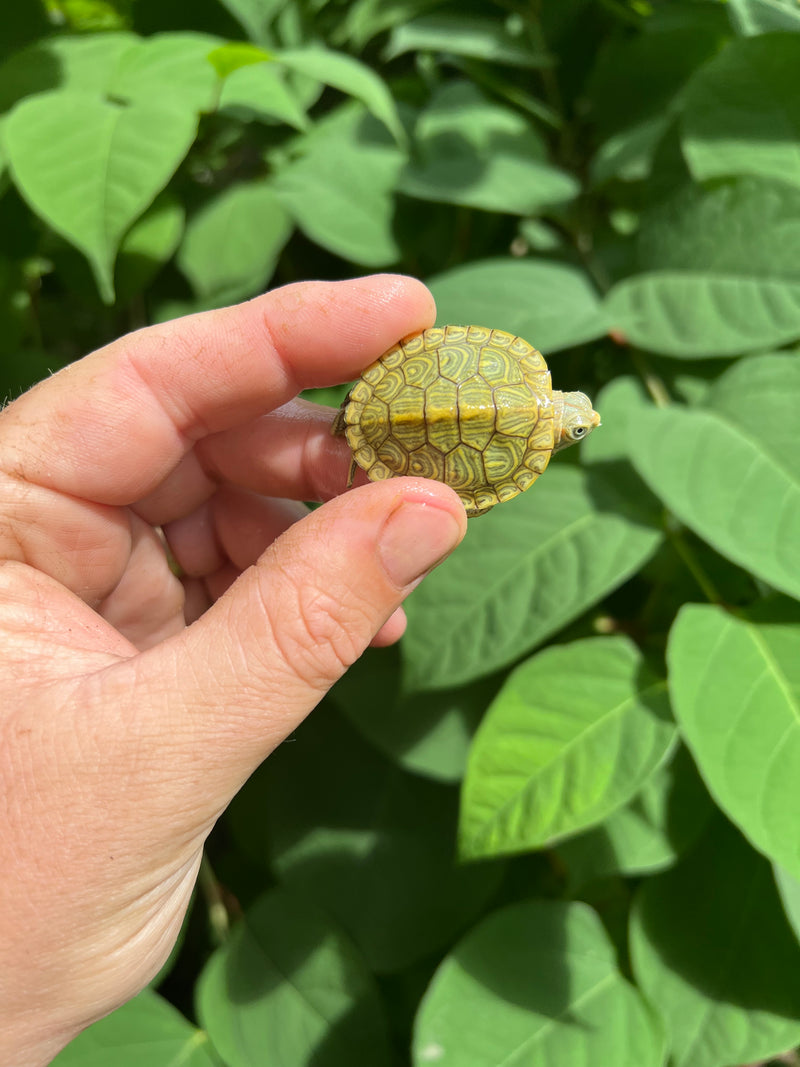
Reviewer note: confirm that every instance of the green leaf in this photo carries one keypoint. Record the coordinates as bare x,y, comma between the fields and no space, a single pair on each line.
259,92
372,845
171,67
522,573
646,835
339,192
573,734
233,242
726,484
742,111
789,890
712,949
289,988
735,686
427,733
551,305
533,985
90,168
751,17
81,63
461,34
471,151
148,244
145,1030
235,55
350,76
688,314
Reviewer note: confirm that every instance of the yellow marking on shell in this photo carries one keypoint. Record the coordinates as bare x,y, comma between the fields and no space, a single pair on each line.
501,339
441,414
390,385
412,346
476,414
524,479
478,335
506,491
457,362
426,462
394,456
434,337
420,370
365,456
537,461
373,373
407,417
361,391
498,368
394,357
374,421
502,456
455,334
485,498
463,468
541,437
516,410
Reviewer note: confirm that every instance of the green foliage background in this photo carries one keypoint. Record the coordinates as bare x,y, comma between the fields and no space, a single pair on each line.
562,823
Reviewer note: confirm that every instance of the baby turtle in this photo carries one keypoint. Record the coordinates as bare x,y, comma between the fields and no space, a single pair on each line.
466,405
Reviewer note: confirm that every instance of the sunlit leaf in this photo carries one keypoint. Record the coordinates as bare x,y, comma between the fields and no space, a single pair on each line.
752,17
232,244
90,167
465,35
535,984
145,1030
742,113
735,685
259,91
551,305
573,734
522,573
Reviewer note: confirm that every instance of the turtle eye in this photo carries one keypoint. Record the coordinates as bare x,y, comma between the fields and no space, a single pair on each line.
579,431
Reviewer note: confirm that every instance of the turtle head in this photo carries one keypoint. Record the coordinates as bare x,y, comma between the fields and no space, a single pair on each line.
573,418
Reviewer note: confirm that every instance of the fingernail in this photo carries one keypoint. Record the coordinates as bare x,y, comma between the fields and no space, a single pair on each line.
416,536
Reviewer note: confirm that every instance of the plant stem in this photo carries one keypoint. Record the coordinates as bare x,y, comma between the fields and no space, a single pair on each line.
692,563
652,382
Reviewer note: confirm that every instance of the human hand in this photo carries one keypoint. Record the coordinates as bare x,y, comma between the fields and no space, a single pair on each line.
125,732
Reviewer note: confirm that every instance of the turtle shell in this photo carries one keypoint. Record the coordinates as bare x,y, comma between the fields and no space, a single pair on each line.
469,406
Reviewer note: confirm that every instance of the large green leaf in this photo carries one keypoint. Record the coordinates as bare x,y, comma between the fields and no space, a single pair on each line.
735,685
232,244
372,845
751,17
259,91
350,76
85,63
522,573
742,111
461,34
339,190
728,481
551,305
646,835
573,734
472,151
712,949
698,314
289,988
534,985
168,66
90,167
255,16
145,1030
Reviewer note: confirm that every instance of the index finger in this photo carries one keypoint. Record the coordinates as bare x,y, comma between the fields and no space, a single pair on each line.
112,426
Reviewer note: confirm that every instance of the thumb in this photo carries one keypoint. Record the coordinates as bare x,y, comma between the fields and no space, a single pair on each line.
263,656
